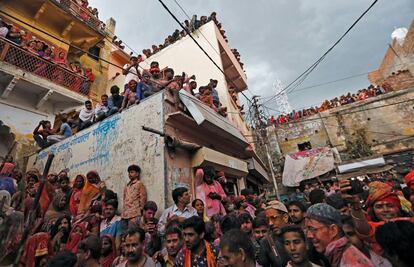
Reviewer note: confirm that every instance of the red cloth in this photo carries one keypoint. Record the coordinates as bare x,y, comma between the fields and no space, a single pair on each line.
75,197
37,245
409,180
75,238
108,260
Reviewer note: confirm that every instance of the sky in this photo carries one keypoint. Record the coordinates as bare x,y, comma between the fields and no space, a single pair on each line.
278,39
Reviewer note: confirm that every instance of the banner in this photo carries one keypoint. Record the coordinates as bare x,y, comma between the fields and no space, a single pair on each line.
304,165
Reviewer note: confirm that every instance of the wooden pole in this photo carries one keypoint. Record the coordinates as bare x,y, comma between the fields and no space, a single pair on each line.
33,209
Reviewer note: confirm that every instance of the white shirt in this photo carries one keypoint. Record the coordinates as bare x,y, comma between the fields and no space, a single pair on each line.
100,108
131,75
86,115
173,210
4,31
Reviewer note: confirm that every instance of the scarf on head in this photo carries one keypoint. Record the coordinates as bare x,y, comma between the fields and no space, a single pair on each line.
409,179
37,245
74,200
108,260
75,238
211,261
89,192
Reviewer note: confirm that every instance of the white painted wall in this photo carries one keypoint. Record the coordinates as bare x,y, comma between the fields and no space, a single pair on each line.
110,146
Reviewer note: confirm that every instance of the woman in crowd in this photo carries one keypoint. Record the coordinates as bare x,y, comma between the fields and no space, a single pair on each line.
75,197
198,204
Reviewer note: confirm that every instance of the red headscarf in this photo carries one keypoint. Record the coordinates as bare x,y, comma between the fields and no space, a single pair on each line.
75,238
409,180
37,245
75,197
108,260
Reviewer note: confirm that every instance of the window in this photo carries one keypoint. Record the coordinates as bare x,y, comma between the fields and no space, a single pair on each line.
304,146
94,52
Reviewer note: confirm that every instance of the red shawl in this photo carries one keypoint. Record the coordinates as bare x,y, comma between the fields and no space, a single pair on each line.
75,238
37,245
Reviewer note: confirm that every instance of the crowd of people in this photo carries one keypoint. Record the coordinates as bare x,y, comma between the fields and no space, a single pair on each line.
137,87
74,221
345,99
48,53
85,11
190,26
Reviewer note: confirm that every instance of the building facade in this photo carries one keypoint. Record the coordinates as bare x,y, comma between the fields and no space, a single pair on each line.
34,87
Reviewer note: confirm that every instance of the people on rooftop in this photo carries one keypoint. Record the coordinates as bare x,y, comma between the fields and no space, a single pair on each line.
345,99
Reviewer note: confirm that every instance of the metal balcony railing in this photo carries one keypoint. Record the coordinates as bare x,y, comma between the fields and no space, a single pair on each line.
82,13
43,68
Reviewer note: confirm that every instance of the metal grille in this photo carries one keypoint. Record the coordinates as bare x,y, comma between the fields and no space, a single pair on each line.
81,12
38,66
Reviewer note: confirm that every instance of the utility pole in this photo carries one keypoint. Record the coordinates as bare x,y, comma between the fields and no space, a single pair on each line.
261,134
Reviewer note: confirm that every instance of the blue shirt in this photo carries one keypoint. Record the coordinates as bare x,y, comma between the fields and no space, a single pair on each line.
112,228
65,129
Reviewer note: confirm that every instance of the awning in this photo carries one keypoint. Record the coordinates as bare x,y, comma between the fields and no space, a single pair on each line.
256,170
230,165
361,165
208,119
364,172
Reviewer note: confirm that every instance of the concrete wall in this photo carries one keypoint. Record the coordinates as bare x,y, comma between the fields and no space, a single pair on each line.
387,123
112,145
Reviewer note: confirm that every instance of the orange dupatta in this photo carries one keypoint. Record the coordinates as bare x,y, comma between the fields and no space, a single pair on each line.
89,192
209,255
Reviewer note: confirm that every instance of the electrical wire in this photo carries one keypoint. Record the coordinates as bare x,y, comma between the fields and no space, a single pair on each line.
304,75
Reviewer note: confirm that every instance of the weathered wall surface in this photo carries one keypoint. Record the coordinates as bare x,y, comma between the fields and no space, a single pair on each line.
112,145
386,122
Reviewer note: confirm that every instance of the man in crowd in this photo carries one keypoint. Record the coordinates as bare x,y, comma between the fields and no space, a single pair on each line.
272,252
295,245
210,191
173,243
134,248
131,71
197,252
135,196
40,135
180,211
86,116
64,132
297,212
115,100
237,250
89,252
148,213
111,224
323,229
102,110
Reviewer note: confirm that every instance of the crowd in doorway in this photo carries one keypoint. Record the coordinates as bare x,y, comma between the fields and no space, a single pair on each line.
345,99
76,220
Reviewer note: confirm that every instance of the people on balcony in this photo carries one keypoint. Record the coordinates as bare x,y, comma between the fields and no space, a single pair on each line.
64,132
4,29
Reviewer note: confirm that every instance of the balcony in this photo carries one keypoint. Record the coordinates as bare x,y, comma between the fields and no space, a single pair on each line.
64,18
29,62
